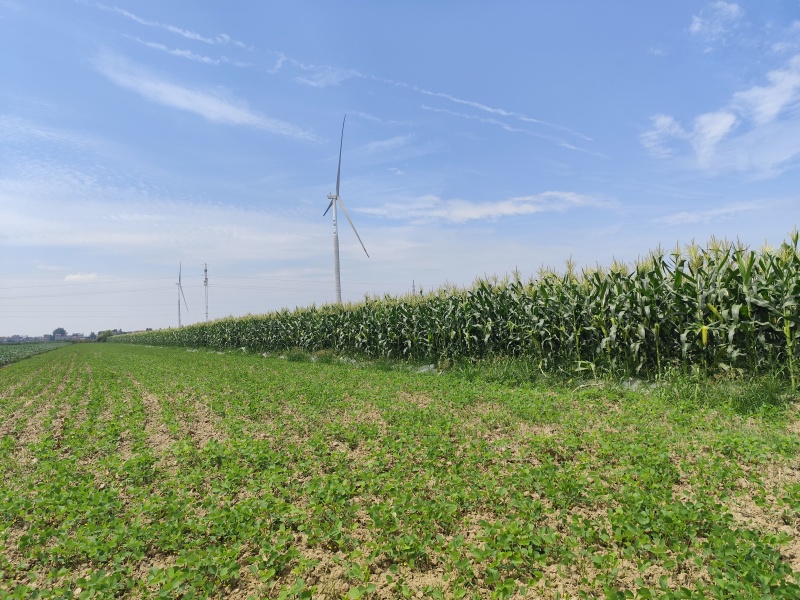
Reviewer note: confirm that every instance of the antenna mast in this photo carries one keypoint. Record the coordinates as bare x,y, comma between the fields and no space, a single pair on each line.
205,283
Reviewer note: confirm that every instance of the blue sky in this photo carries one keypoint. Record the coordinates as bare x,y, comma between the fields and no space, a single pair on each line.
481,138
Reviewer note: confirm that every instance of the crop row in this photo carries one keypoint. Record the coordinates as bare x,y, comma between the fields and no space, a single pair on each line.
719,307
13,352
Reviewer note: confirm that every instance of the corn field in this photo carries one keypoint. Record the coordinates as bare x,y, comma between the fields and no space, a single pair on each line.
719,307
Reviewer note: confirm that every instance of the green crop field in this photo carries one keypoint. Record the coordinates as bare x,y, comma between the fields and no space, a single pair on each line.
144,472
13,352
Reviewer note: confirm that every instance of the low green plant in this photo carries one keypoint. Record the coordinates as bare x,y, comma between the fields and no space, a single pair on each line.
130,471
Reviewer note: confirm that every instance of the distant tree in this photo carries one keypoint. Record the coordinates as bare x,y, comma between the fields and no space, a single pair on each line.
93,336
104,335
59,331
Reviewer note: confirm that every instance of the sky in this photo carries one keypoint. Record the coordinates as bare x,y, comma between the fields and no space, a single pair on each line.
140,140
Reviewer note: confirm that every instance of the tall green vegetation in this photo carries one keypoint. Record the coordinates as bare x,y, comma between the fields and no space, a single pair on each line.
721,307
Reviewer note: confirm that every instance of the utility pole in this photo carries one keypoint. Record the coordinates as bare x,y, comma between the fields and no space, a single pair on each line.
413,288
205,283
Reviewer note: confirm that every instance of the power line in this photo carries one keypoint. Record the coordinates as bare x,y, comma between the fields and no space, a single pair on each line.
78,283
82,294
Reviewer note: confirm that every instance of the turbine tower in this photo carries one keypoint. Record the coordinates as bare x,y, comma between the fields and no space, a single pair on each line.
180,294
205,283
334,201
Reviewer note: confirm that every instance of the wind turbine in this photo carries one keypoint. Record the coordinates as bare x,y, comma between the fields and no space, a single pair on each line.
180,294
334,201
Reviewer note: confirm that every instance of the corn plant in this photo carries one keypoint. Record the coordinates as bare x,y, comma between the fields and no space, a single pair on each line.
721,307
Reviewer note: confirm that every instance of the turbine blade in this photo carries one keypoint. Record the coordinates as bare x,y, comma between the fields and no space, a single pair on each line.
327,209
349,220
339,171
184,298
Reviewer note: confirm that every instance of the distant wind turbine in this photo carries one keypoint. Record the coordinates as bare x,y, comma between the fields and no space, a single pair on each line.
180,294
334,201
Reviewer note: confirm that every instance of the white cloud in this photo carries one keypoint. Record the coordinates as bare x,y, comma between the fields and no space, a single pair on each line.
381,146
279,62
431,208
18,129
482,107
321,77
222,38
188,54
764,151
498,123
716,20
209,105
56,207
757,131
764,103
709,129
325,76
502,112
707,216
664,128
80,277
191,35
787,39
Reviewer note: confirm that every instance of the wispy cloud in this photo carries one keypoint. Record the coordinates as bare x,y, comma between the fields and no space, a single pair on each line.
222,38
756,131
325,76
786,40
506,127
44,205
708,216
209,105
487,120
709,129
17,129
390,145
320,76
188,54
483,107
374,119
433,208
716,21
80,277
503,112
